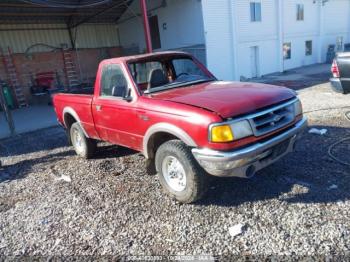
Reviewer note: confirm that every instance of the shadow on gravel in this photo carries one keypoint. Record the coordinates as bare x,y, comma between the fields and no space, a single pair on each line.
45,139
308,175
23,168
112,151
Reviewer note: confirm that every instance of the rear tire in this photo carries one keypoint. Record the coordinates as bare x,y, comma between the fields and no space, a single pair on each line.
83,146
179,173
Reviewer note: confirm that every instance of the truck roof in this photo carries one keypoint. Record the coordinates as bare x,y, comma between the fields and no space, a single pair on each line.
146,56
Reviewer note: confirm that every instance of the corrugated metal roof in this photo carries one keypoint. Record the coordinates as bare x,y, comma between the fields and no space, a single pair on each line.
16,11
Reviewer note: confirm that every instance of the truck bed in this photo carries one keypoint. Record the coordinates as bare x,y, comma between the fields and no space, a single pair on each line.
79,103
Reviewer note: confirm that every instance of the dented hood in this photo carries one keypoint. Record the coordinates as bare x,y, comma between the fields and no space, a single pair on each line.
228,99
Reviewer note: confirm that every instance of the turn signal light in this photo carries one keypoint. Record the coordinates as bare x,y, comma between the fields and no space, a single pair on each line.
222,133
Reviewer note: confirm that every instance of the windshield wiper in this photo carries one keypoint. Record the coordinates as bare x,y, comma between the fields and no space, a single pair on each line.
177,84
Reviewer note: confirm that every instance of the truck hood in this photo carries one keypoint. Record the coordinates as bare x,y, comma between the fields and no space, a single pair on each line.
228,99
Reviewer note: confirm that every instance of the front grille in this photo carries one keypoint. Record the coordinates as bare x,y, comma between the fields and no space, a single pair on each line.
272,119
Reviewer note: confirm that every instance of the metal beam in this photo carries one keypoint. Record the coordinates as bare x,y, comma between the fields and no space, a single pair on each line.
146,27
85,20
19,5
39,14
32,29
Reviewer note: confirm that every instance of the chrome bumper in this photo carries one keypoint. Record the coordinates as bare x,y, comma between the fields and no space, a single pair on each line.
246,161
341,85
336,85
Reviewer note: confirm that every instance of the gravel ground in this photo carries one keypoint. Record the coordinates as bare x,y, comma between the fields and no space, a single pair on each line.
53,203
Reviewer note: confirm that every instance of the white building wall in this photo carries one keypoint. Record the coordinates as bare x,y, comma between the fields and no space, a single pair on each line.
322,24
336,23
182,20
218,26
298,32
262,35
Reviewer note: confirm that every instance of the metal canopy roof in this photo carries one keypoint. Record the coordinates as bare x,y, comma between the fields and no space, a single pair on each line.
72,12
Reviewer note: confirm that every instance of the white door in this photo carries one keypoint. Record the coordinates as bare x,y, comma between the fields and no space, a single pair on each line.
254,58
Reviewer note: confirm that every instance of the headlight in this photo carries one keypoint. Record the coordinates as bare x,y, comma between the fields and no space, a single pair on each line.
298,108
231,132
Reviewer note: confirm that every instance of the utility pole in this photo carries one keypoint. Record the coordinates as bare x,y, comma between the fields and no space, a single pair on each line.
146,26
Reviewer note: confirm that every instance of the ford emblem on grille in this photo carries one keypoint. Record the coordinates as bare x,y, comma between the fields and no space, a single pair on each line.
277,118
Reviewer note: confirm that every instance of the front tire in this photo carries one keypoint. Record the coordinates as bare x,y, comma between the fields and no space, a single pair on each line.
179,173
83,146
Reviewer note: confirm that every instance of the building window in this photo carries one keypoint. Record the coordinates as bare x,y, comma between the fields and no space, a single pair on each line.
339,42
155,35
287,51
308,48
300,12
255,11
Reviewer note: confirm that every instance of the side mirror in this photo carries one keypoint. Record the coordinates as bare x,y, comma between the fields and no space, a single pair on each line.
123,92
128,96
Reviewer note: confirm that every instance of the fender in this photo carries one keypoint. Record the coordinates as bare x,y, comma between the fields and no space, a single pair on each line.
71,111
167,128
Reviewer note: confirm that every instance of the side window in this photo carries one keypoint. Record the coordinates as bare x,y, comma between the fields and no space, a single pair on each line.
113,82
300,12
255,12
287,51
308,48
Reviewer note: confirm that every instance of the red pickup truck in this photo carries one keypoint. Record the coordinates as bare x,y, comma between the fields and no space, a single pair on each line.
187,123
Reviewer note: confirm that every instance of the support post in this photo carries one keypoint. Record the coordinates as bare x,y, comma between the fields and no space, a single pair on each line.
72,42
146,26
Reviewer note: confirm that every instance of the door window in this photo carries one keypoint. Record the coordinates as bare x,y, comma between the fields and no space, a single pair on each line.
113,82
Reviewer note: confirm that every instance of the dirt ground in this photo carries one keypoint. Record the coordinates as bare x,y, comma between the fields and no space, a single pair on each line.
54,204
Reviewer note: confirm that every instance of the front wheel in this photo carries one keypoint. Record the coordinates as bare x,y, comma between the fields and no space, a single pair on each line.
179,173
83,146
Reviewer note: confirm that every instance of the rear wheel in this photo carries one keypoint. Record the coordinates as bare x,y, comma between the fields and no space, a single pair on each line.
83,146
179,173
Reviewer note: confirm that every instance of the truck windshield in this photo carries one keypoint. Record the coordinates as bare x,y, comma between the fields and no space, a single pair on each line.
159,75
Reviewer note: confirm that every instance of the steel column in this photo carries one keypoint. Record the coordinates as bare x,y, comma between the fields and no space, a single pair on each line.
146,26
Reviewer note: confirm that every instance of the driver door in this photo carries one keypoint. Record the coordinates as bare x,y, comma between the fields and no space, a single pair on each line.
114,115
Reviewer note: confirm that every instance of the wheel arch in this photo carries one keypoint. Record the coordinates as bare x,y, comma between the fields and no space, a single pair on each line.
160,133
70,117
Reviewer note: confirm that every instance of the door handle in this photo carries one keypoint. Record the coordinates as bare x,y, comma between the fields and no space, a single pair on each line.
98,107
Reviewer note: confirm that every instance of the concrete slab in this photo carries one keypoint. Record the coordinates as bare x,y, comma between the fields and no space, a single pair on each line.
298,78
298,73
29,119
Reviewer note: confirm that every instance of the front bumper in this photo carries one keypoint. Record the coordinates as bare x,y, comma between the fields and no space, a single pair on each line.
246,161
